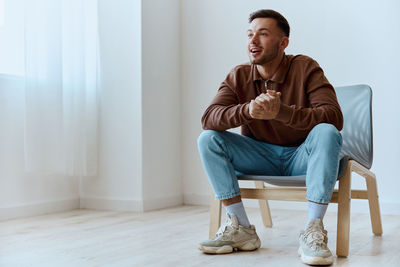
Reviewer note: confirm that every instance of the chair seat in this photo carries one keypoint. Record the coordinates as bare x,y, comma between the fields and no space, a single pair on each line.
299,180
277,180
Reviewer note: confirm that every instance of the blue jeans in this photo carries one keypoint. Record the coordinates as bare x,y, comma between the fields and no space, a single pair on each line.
224,154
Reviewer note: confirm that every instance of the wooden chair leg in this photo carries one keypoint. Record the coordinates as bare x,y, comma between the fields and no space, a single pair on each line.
343,220
215,216
374,210
264,207
373,199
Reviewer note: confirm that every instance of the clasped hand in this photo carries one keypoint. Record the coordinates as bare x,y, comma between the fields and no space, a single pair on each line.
265,106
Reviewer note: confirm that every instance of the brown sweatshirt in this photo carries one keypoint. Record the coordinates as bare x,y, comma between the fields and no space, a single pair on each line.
307,99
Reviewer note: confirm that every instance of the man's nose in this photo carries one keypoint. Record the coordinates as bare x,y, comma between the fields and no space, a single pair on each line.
254,40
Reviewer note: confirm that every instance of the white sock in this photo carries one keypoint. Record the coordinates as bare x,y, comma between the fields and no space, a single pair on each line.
315,211
237,209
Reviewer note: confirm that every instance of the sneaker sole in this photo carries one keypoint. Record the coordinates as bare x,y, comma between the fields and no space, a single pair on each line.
247,245
314,260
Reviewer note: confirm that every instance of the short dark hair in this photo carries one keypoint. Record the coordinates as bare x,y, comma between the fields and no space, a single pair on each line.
269,13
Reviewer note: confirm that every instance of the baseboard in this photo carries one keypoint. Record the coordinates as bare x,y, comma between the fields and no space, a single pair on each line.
128,204
357,205
39,208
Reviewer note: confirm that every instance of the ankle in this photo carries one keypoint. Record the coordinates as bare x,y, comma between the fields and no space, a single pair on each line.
238,210
316,211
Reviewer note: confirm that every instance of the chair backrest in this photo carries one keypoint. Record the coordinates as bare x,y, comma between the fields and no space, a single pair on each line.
356,104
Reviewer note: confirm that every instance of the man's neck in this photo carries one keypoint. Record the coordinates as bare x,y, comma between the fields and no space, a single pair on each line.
268,70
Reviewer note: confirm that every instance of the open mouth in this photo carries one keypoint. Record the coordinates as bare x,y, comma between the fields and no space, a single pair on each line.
255,51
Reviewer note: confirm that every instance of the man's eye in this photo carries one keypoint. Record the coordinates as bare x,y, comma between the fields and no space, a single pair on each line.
263,34
249,35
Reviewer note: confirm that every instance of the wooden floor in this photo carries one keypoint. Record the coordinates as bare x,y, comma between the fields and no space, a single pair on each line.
169,238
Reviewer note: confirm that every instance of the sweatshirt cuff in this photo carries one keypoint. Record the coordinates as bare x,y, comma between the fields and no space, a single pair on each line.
285,113
246,112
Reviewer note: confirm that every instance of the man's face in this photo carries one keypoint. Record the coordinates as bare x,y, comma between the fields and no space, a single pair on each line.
264,40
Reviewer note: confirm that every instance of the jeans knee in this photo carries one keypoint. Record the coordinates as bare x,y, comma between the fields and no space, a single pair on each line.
206,138
328,133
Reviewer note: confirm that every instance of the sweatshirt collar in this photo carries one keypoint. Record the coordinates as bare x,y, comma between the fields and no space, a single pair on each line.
279,75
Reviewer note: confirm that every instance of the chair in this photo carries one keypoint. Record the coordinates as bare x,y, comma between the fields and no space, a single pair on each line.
356,156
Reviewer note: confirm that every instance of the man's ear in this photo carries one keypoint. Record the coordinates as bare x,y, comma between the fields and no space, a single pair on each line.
284,43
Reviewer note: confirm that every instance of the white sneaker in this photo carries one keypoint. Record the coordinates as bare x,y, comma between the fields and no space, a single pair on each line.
313,244
231,236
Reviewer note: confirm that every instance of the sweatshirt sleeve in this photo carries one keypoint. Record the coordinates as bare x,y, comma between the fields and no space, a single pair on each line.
323,104
225,112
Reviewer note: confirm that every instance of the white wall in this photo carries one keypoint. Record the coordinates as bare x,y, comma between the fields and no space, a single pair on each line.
22,193
162,183
354,42
139,109
119,184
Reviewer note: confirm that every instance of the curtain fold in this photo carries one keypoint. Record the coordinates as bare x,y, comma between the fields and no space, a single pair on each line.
61,86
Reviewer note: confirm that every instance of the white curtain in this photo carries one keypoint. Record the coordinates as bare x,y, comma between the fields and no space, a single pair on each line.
61,86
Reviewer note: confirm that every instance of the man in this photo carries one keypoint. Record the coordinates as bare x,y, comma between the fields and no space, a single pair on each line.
290,121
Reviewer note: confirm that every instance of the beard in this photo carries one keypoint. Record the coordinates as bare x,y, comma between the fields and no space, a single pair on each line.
268,57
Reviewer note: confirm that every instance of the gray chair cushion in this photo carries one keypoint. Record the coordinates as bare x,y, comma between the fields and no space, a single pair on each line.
356,104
